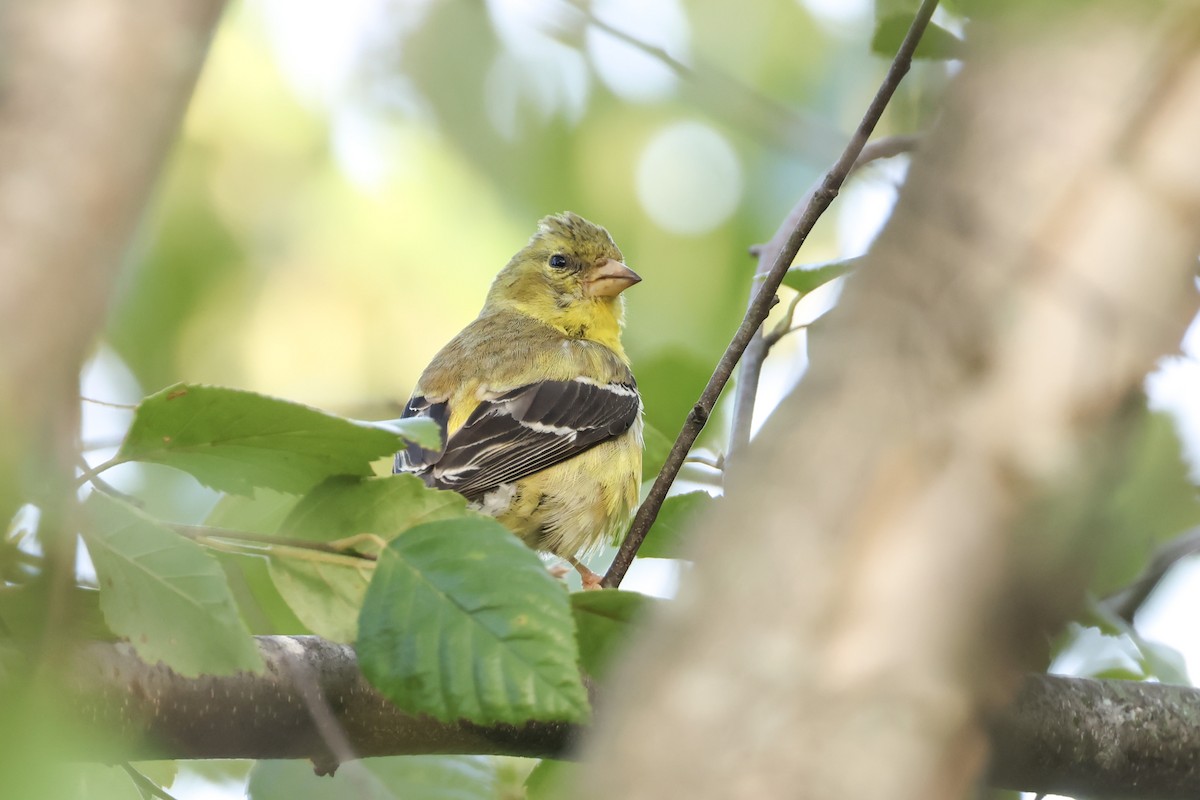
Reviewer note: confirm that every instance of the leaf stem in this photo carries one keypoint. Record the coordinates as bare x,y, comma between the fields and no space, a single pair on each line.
89,474
205,533
147,787
109,404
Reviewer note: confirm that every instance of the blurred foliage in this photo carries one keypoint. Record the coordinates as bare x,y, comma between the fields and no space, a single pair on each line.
1154,500
322,249
937,43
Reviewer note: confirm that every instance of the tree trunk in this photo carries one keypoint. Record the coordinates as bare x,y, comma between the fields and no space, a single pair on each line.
891,556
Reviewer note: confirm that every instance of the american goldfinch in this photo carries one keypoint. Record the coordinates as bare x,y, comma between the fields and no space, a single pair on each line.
539,411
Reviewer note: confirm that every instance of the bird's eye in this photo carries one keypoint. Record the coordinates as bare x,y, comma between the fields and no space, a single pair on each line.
558,261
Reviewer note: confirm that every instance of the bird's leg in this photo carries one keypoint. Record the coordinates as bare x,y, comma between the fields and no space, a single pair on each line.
559,571
591,581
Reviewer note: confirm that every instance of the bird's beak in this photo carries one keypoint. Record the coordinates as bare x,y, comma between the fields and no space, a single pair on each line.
608,279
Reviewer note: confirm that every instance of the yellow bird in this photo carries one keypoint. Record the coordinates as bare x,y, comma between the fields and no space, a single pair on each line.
540,414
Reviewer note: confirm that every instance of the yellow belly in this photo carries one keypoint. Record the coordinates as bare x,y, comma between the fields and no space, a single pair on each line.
577,505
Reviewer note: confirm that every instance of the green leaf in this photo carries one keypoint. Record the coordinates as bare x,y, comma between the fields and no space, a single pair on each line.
551,779
462,621
399,777
260,603
602,623
421,431
1163,662
161,772
808,277
669,382
936,43
676,517
22,612
1153,502
1157,660
1087,653
234,440
165,593
385,506
657,448
99,782
326,592
264,512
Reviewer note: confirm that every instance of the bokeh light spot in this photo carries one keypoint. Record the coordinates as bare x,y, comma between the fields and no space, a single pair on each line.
689,179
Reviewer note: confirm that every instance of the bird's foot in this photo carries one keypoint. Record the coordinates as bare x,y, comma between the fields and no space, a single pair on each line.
591,581
559,571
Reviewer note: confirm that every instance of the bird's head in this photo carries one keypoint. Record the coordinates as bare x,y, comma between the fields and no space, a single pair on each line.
570,275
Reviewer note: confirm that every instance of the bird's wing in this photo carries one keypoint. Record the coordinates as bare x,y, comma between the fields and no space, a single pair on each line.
530,428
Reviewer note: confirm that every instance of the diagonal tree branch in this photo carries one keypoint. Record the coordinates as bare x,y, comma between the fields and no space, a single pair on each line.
765,299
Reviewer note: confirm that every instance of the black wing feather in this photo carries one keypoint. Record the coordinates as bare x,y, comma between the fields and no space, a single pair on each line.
527,430
415,458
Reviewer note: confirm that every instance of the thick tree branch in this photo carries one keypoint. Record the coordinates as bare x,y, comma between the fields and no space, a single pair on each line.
1066,735
1101,739
145,712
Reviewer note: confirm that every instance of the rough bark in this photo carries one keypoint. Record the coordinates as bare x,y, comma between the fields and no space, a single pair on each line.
883,569
1103,739
311,687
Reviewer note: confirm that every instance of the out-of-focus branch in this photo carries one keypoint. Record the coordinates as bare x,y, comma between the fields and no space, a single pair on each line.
764,298
736,104
1126,602
889,556
92,93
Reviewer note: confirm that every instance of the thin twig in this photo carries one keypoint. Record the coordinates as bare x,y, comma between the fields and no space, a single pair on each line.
1126,602
764,299
202,532
106,487
102,444
887,147
89,474
724,96
108,404
756,353
785,324
145,785
716,462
